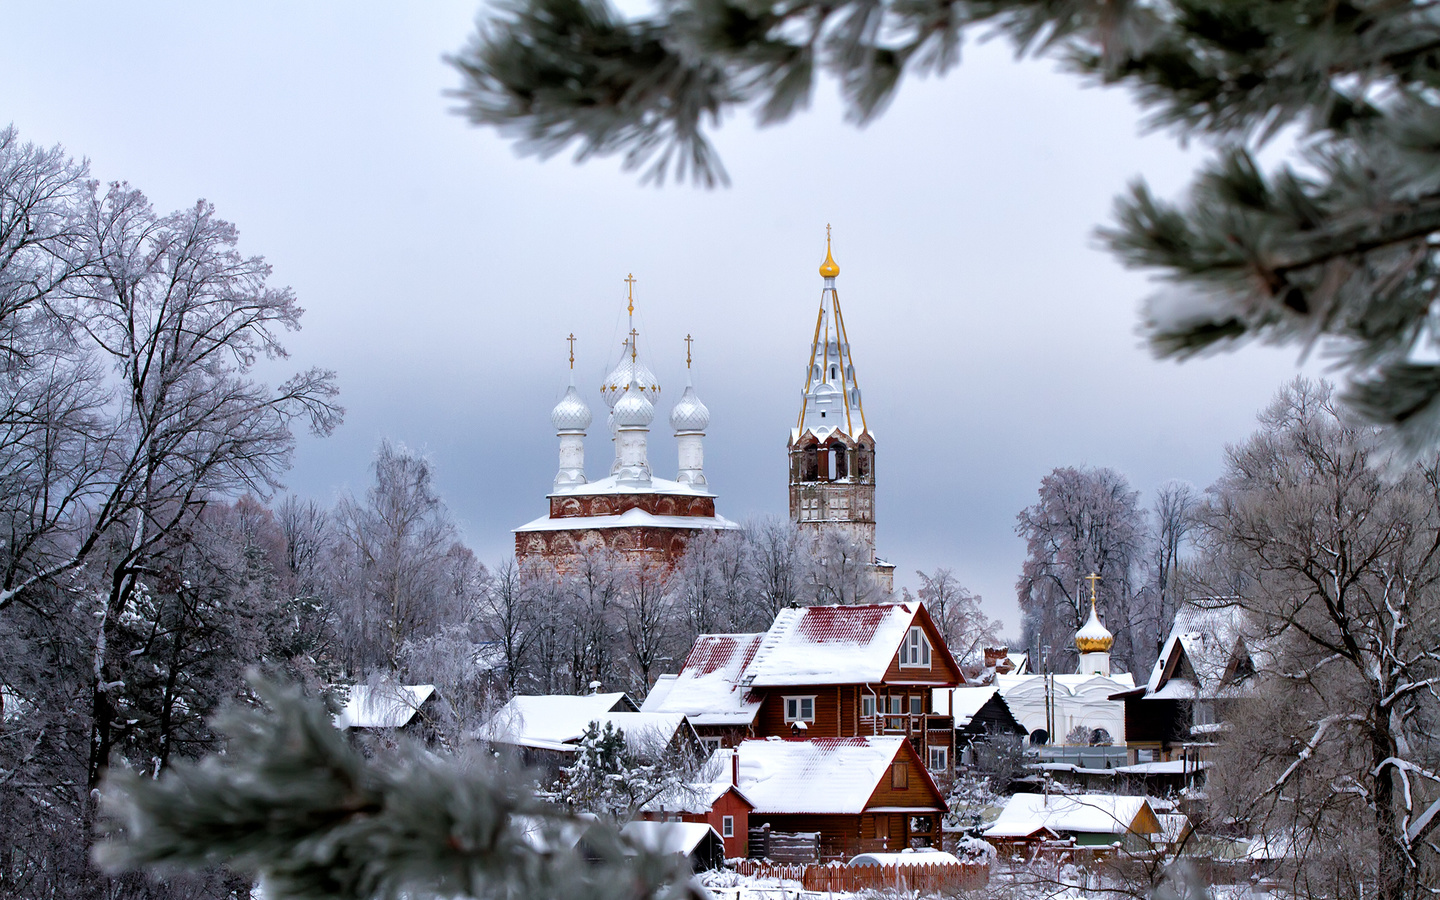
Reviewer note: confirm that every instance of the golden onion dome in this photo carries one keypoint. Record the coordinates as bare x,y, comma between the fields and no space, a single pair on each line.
829,268
1092,636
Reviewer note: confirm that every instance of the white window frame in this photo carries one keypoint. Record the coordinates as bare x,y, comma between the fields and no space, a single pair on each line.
711,744
798,702
867,701
727,826
915,649
917,702
944,758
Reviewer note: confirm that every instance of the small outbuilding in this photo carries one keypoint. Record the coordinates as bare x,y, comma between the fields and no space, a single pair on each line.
1089,819
700,844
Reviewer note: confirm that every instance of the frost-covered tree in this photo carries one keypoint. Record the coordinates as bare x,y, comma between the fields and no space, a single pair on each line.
647,614
404,575
957,614
1334,756
1174,511
508,621
841,573
780,558
612,778
1085,521
1335,247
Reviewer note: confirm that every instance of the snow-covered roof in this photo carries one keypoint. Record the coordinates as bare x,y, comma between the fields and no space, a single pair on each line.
555,722
1173,826
630,518
967,701
821,775
834,645
668,837
611,484
659,691
707,689
696,797
1207,635
1168,767
1068,685
1024,814
384,706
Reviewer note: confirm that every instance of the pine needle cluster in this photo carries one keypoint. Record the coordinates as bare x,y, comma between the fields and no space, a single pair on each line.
292,802
1333,250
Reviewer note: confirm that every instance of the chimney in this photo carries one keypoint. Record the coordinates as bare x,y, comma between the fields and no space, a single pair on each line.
735,767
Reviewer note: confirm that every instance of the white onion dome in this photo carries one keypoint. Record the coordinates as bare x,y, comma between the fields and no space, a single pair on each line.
689,413
1092,636
629,369
633,409
571,413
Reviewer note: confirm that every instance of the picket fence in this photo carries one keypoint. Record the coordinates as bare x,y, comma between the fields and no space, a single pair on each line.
932,879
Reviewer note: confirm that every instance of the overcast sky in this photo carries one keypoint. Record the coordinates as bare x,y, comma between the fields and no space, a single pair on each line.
993,339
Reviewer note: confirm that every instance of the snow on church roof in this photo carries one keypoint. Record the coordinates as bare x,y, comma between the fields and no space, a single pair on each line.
610,484
708,689
831,644
631,518
835,776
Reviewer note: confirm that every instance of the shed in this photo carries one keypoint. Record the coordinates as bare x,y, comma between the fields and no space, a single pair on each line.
700,844
1090,819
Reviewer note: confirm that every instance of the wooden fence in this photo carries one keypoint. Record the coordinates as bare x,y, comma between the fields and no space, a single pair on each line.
780,846
932,879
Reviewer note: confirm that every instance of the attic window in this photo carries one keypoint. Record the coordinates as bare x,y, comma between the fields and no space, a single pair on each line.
915,651
899,776
799,709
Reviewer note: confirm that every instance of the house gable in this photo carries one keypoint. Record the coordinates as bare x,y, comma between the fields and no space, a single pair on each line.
943,671
906,785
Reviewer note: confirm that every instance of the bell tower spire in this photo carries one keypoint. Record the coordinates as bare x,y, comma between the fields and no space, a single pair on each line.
832,452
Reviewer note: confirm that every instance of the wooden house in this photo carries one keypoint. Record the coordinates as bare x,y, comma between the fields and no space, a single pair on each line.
545,731
858,794
713,799
979,713
392,709
1204,666
818,672
720,804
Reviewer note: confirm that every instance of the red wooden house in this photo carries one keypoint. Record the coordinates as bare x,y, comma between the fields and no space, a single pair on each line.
720,805
858,793
820,671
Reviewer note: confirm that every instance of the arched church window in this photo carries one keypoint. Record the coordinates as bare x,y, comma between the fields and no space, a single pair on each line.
862,460
839,462
833,374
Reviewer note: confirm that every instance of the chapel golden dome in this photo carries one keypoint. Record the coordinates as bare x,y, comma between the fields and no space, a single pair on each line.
829,268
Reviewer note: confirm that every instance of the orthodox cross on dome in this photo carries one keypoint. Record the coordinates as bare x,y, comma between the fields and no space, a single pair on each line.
687,351
633,335
1092,578
571,339
630,282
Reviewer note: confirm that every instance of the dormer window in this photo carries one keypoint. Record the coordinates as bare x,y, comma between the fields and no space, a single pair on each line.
915,651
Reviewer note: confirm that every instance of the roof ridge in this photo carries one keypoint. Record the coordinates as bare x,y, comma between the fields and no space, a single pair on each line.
784,622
